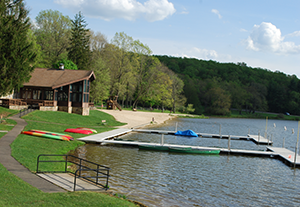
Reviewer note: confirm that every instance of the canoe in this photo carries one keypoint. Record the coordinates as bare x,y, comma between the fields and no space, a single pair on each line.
80,131
157,148
46,134
190,150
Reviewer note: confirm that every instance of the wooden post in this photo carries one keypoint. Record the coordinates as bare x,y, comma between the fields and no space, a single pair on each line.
272,138
162,139
296,150
266,127
229,142
176,126
220,134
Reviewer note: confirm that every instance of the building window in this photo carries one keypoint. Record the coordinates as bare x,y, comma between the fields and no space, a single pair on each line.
62,96
37,94
48,95
86,98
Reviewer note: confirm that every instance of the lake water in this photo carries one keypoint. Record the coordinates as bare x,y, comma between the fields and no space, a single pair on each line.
170,179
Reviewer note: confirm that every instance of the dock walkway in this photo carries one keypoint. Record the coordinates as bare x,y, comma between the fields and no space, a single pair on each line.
222,150
283,154
255,138
286,155
66,182
98,138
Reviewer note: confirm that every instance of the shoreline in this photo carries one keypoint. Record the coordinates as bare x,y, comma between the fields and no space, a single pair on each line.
138,118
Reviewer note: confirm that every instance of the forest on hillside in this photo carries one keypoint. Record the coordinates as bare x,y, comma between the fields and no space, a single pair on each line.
126,68
214,88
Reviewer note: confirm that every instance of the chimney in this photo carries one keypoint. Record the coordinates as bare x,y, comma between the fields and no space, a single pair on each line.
61,66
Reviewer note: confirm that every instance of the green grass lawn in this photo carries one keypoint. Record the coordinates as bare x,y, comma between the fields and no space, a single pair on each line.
259,115
7,111
94,119
5,123
25,148
16,192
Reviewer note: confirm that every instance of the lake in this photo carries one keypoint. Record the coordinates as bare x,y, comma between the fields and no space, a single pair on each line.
170,179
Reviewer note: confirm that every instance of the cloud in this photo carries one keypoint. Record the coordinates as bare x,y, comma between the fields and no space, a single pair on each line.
294,34
185,11
267,37
217,13
151,10
198,53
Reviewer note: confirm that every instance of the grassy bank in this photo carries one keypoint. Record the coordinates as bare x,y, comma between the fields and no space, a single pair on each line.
263,115
16,192
5,123
25,148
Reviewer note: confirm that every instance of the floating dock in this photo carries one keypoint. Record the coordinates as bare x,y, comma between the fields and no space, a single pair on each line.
287,156
222,150
273,152
255,138
99,138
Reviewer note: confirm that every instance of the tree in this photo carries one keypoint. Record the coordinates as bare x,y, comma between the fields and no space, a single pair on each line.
100,86
36,48
146,77
53,31
79,50
16,50
68,64
219,101
97,42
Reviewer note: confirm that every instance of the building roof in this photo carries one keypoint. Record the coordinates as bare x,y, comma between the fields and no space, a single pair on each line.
54,78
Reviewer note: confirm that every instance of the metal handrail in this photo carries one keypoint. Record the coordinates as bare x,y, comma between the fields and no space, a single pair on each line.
25,111
81,167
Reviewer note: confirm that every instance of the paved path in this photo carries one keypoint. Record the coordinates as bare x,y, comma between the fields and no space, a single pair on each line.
15,167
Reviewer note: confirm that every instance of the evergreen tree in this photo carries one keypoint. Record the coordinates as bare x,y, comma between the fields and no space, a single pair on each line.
16,50
79,50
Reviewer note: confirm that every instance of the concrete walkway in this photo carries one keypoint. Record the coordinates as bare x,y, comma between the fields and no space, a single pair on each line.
15,167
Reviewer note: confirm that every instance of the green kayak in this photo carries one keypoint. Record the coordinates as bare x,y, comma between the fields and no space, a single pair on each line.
189,150
157,148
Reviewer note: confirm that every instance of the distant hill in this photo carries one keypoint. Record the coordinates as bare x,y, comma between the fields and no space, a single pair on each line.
214,87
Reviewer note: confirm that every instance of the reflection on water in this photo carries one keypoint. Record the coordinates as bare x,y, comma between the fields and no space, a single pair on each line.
170,179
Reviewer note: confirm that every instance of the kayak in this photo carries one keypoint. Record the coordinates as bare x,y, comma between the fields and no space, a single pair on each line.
80,131
47,134
190,150
157,148
83,128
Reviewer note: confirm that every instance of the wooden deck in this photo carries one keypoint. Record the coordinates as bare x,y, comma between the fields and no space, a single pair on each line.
99,138
66,181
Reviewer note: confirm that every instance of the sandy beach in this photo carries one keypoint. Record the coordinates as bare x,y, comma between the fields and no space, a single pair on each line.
138,118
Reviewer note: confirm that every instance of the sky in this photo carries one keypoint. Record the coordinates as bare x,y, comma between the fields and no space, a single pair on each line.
260,33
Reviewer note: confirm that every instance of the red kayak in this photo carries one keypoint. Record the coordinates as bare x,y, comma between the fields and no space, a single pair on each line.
80,131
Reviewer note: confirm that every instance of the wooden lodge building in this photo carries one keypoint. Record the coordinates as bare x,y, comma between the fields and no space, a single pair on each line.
54,90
